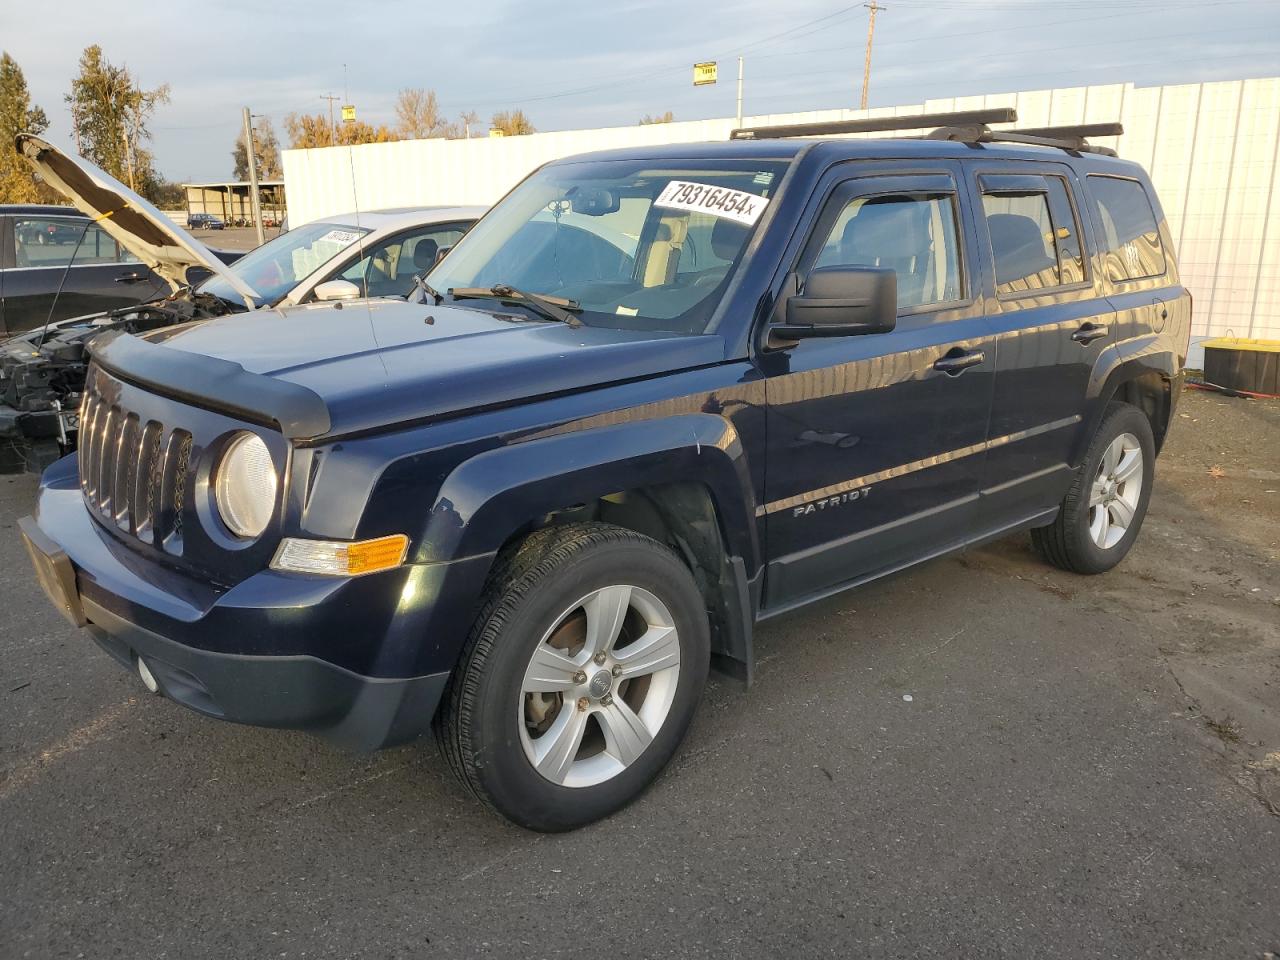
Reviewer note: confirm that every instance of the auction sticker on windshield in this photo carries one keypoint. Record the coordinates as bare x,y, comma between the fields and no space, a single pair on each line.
343,237
717,201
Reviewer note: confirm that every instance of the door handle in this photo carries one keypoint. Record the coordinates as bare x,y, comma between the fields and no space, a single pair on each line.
131,278
954,364
1089,333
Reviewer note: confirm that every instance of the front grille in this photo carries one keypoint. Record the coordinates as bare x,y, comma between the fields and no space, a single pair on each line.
133,472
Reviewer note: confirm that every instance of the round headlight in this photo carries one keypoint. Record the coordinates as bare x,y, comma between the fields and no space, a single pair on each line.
245,489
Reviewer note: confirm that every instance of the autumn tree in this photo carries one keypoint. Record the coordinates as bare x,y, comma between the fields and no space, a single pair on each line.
307,130
109,114
17,180
512,123
667,117
418,115
266,151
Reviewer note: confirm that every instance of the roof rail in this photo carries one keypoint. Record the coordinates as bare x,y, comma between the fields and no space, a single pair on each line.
962,126
961,118
1071,138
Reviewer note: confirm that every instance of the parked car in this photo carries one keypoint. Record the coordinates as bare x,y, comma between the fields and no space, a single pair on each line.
42,370
204,221
49,254
533,507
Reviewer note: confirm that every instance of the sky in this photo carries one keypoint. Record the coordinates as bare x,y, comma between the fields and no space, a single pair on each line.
581,63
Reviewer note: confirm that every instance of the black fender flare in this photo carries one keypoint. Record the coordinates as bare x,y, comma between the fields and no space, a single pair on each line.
490,497
1117,365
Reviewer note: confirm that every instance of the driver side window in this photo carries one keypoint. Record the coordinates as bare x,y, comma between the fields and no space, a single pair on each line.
388,270
913,234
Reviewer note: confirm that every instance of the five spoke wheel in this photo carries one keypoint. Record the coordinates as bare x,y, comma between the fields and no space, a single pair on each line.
1115,491
599,686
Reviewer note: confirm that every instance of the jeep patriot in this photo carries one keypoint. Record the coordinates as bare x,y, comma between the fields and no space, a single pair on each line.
655,396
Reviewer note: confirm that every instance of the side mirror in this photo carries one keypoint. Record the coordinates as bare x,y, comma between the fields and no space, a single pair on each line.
841,302
337,290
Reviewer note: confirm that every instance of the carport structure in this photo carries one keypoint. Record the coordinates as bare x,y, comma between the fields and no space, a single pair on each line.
231,201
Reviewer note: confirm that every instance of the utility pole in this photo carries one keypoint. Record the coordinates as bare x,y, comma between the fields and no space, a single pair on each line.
253,176
739,125
871,32
333,130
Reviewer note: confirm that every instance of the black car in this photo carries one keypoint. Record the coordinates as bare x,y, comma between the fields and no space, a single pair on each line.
204,221
49,254
717,382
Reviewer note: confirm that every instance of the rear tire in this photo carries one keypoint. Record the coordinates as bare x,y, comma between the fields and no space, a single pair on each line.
580,677
1103,511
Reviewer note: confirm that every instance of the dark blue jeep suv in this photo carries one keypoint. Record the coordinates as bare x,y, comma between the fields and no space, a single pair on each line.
654,397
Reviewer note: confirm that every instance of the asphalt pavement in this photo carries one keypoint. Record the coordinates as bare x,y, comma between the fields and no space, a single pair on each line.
982,757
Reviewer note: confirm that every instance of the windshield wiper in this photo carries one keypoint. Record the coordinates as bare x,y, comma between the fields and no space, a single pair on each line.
553,308
420,283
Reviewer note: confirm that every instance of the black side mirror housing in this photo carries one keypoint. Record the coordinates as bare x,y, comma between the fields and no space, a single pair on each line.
841,301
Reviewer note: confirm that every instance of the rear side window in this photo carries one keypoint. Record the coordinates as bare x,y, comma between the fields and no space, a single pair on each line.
913,234
1130,238
1021,231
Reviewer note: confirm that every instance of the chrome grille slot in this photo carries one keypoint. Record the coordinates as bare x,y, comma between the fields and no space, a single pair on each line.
133,472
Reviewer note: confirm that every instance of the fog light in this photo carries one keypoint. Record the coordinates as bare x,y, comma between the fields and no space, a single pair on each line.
148,678
337,558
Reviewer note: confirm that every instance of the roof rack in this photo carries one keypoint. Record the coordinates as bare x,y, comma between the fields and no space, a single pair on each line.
963,126
960,118
1071,138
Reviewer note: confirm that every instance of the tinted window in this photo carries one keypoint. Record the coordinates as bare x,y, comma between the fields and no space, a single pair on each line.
54,242
1130,237
1022,245
914,235
1066,231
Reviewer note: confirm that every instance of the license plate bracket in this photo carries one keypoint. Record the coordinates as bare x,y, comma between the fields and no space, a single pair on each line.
54,571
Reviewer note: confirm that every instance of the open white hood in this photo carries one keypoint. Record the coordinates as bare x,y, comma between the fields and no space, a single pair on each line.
138,226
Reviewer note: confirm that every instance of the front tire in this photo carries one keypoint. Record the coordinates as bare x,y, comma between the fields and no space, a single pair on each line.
1103,511
580,676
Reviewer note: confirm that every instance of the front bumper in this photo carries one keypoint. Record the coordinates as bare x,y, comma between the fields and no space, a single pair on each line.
246,654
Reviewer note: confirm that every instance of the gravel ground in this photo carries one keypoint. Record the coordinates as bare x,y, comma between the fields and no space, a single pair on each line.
1085,768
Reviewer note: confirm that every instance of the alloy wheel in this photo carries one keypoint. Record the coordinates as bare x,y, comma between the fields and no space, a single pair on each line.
599,686
1115,492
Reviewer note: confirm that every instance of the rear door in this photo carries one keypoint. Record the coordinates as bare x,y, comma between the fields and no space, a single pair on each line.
875,442
1052,323
76,264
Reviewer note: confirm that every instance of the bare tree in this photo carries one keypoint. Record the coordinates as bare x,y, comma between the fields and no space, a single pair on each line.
667,117
418,114
313,130
512,123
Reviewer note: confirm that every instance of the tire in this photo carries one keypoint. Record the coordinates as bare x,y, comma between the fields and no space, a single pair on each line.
551,749
1100,517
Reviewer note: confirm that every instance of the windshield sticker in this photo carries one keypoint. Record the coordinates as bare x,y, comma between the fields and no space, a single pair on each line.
738,205
343,237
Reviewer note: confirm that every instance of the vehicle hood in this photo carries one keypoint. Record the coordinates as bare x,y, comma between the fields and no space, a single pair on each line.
376,363
138,226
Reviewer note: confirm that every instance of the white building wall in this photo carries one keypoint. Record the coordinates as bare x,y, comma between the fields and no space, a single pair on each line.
1211,150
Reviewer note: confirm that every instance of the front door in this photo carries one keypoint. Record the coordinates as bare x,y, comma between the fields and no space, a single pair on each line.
875,441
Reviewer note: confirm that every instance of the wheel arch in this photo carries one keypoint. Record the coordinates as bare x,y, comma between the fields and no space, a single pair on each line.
681,480
1148,379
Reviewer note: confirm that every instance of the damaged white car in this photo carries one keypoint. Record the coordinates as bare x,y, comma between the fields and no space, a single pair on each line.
373,253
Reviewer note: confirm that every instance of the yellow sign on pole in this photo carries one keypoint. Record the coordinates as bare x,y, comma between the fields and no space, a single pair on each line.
348,113
704,73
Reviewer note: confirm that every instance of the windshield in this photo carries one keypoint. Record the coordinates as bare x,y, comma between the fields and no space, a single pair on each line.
278,266
640,245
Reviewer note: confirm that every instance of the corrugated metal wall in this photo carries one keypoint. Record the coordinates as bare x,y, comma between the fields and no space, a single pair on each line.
1211,149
